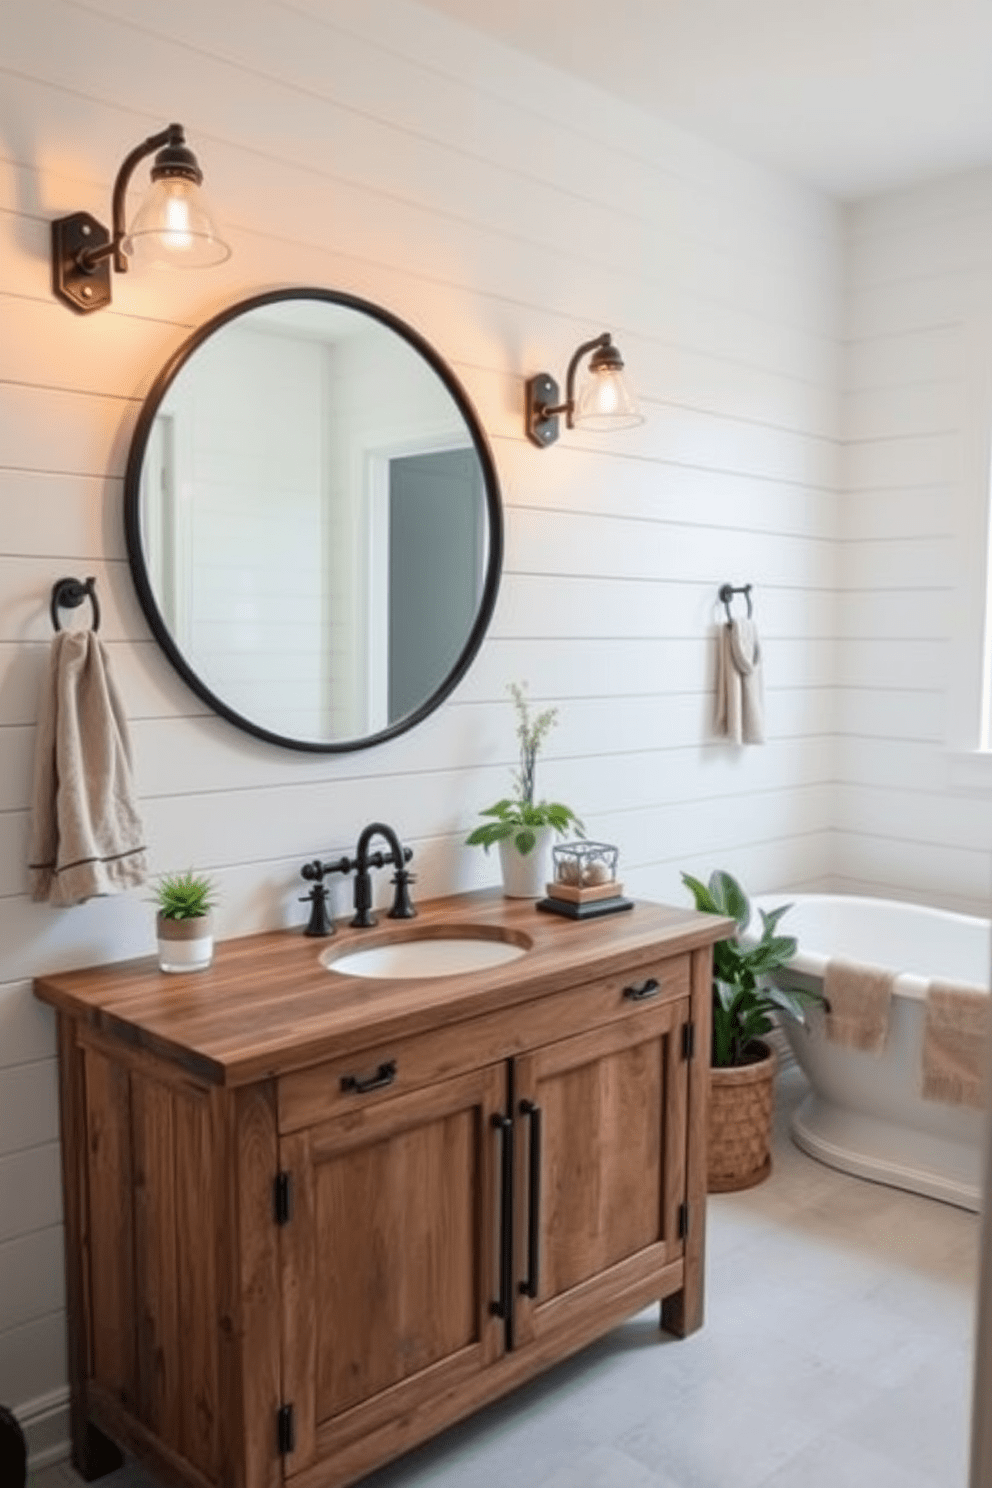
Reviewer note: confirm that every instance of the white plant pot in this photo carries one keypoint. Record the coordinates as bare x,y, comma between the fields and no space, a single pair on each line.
185,945
526,875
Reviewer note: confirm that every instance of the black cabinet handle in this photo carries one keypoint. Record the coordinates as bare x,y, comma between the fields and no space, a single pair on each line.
528,1288
647,989
503,1308
361,1085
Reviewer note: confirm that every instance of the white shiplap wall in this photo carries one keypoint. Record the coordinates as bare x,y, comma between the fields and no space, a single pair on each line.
912,822
506,212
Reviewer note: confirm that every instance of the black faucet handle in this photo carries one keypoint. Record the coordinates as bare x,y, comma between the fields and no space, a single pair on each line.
319,922
402,907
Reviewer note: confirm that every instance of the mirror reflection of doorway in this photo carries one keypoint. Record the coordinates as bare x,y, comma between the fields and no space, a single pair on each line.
437,524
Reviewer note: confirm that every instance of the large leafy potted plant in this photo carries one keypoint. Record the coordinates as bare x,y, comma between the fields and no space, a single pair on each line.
519,825
743,1066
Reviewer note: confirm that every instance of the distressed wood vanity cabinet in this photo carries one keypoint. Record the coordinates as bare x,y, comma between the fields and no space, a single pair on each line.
312,1219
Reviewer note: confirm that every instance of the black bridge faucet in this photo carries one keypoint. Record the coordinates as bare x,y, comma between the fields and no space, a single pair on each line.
364,860
320,922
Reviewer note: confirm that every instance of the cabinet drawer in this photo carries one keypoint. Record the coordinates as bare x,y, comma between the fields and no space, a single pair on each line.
382,1070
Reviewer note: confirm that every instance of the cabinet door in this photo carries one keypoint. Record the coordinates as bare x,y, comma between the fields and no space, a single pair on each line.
390,1260
601,1154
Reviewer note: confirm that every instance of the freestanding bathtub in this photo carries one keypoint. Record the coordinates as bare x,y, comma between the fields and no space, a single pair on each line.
865,1113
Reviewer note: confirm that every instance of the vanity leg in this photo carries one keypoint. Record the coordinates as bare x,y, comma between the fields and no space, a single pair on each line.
682,1312
93,1454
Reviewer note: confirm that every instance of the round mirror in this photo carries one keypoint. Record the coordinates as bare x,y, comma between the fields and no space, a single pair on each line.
313,520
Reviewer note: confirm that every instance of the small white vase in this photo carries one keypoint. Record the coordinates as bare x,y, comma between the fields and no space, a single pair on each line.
185,945
526,875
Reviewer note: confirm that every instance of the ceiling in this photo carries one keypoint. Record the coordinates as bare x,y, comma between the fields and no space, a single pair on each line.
852,96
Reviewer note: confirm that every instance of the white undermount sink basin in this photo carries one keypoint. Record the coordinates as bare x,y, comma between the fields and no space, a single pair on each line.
449,955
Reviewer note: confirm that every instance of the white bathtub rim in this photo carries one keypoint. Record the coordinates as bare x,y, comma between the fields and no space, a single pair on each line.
818,1129
813,963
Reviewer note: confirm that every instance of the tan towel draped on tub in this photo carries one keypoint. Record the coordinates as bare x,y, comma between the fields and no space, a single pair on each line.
858,996
86,832
956,1044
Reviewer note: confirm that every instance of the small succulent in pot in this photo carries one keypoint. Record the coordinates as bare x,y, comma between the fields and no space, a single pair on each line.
185,921
185,896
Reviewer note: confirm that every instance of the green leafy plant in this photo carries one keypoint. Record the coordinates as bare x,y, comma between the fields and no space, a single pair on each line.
184,896
742,1003
520,816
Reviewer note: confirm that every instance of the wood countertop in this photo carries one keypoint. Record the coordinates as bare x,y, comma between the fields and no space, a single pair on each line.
267,1005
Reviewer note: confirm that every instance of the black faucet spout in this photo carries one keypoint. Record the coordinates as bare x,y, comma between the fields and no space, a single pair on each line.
399,856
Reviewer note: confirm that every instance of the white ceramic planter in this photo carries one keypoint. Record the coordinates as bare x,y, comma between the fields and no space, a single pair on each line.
185,945
526,875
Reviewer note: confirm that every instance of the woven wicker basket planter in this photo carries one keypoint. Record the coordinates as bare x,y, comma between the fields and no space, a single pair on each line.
740,1125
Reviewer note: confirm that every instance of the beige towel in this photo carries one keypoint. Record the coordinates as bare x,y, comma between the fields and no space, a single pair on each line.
858,998
956,1045
740,703
86,833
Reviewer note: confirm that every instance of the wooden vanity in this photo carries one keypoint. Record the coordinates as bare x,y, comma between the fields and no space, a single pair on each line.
311,1219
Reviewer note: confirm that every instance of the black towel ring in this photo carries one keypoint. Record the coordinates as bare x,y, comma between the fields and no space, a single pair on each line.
727,591
69,594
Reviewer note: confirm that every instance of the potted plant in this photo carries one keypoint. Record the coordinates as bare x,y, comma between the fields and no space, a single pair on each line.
185,922
742,1065
521,826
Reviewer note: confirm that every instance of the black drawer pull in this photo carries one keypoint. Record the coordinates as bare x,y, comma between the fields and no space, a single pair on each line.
647,989
503,1308
357,1085
529,1287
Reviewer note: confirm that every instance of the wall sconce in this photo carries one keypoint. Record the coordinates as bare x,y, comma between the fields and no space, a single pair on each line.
172,226
604,403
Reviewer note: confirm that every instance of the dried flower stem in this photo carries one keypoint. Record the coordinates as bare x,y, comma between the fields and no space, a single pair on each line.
531,734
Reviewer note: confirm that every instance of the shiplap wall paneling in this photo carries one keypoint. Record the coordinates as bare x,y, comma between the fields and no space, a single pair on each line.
913,513
382,150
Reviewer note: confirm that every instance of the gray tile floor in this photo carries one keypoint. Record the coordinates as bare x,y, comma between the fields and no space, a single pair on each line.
836,1351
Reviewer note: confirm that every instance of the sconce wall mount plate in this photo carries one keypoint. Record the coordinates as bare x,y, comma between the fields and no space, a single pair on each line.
83,285
542,393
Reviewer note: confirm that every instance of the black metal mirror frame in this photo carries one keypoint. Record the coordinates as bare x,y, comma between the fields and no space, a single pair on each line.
132,518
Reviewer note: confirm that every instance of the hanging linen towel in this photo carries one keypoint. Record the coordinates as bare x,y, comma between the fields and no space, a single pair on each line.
740,701
86,832
858,998
956,1045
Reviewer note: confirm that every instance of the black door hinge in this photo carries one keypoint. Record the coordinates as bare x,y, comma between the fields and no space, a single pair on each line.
688,1040
683,1221
286,1430
282,1198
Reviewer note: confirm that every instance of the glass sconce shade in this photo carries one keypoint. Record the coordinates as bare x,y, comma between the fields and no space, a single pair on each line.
605,402
174,226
